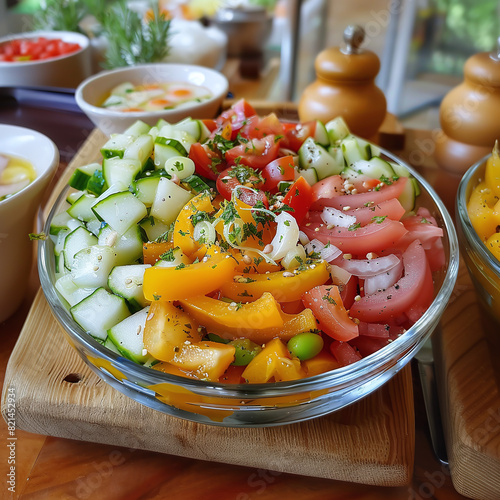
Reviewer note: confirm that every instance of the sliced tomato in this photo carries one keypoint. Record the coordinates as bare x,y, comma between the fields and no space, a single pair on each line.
237,115
368,345
299,198
415,287
255,153
208,163
373,237
281,169
328,309
294,134
368,199
241,175
349,291
344,353
328,188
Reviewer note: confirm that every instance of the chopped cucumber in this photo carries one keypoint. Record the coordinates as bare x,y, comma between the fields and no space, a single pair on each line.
75,241
399,170
120,171
72,197
121,211
337,130
116,145
376,168
96,183
81,176
169,200
196,184
310,175
99,312
61,222
127,247
141,149
92,265
167,148
145,189
313,155
352,150
71,292
138,128
409,195
321,134
82,208
127,336
126,281
155,229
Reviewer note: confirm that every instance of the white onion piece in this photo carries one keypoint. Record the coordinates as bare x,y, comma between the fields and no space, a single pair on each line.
339,276
330,252
303,238
383,280
314,246
366,268
332,216
286,237
204,232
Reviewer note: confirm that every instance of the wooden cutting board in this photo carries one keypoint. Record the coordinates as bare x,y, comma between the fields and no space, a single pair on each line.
468,374
370,442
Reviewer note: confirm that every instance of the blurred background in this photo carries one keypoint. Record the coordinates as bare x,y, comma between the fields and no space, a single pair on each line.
422,44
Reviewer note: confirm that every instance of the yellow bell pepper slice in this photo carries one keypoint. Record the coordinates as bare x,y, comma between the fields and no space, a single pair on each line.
493,245
273,361
207,360
188,280
492,173
484,211
184,229
321,363
285,286
167,330
253,320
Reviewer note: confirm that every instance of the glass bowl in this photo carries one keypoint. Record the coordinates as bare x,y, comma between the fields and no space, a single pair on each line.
258,405
483,267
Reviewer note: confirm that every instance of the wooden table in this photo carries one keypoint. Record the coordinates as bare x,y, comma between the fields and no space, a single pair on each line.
48,467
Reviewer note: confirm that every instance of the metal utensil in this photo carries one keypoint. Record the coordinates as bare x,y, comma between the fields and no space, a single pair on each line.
425,360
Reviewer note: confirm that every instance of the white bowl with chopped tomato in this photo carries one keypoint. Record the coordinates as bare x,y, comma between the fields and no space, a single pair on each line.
44,59
261,274
115,99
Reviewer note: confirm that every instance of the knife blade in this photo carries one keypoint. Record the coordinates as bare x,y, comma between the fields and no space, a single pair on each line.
425,362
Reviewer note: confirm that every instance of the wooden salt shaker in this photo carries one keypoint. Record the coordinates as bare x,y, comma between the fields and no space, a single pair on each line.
345,86
469,114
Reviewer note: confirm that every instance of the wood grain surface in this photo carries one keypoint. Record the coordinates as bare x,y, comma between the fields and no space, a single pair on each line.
469,383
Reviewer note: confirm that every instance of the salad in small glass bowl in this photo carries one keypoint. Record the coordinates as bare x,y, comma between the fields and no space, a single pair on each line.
244,271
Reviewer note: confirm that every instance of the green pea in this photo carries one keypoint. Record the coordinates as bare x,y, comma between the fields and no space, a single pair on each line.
305,345
246,350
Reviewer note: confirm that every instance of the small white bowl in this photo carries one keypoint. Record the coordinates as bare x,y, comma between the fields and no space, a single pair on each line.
66,71
17,213
92,92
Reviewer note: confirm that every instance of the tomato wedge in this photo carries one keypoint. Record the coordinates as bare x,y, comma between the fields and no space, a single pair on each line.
208,163
327,307
373,237
415,287
369,198
299,198
281,169
255,153
242,176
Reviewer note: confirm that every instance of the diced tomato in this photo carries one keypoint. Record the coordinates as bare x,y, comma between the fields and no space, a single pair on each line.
281,169
376,330
236,115
210,124
241,175
370,198
368,345
349,291
32,49
257,128
373,237
344,353
296,133
207,162
329,311
256,153
299,198
415,287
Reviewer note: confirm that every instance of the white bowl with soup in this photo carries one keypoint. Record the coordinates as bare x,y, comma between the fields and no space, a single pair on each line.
116,99
28,160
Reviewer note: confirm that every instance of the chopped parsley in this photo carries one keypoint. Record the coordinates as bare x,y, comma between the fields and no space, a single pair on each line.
379,219
354,226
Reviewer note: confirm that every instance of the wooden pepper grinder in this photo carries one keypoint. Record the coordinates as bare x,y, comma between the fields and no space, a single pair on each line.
469,114
345,86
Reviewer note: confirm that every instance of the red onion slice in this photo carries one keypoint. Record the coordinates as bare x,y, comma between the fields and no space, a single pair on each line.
383,280
366,268
332,216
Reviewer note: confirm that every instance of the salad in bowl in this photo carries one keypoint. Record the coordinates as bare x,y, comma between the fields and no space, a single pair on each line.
246,270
